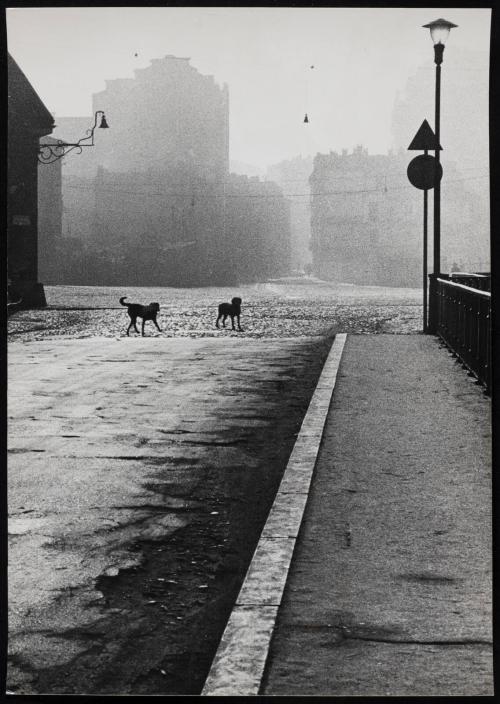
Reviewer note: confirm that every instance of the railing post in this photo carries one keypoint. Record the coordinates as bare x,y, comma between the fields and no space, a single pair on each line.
433,304
461,318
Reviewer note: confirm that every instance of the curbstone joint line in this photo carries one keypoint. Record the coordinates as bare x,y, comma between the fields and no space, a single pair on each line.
239,662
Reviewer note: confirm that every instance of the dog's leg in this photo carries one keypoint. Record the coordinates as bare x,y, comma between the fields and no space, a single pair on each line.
143,321
135,326
154,321
217,321
224,320
232,323
239,326
132,322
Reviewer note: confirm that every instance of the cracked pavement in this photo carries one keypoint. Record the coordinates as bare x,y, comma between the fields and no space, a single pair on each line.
140,474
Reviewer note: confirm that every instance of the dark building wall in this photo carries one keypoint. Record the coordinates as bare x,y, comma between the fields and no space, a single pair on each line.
28,120
49,217
22,205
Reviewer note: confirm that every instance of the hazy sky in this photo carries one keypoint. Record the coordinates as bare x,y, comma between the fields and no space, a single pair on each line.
361,57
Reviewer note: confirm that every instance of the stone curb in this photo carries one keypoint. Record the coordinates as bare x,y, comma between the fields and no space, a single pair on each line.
239,662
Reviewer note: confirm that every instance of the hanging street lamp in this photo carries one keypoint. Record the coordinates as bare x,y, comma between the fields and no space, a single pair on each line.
48,153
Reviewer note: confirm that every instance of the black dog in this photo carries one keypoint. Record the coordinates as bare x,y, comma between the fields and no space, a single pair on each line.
232,309
136,310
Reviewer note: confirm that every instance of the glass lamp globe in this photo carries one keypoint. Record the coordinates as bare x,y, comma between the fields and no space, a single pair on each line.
440,30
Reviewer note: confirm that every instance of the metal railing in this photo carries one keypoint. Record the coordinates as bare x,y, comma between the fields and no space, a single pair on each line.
476,280
464,324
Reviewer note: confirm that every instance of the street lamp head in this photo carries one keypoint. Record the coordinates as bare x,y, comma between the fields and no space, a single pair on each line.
49,153
440,30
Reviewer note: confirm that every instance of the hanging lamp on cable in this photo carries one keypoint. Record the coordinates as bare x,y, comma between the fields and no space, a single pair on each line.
306,117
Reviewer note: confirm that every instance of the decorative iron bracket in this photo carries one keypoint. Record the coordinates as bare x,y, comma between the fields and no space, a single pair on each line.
48,153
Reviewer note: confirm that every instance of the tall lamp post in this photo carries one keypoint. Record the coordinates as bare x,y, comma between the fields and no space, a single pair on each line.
439,30
422,172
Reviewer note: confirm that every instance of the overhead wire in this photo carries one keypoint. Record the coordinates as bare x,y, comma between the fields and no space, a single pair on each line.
388,173
199,194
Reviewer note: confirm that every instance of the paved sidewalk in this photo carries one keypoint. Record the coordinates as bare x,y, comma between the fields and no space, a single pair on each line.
389,590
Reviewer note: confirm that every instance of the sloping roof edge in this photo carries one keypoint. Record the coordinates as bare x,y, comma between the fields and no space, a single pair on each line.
24,102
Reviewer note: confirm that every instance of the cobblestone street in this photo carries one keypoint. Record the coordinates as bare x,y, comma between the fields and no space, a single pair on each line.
297,307
141,470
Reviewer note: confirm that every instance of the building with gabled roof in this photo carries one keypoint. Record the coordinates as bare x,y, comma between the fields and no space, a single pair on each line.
28,121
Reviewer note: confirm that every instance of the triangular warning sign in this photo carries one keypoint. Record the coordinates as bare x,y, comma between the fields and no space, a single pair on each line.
424,139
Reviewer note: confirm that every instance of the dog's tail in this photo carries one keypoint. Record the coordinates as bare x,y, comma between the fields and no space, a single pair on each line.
122,299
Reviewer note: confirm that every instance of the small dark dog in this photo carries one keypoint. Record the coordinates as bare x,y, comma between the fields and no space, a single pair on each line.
232,309
136,310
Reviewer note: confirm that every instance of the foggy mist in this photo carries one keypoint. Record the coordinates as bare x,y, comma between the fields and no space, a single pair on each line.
250,363
209,152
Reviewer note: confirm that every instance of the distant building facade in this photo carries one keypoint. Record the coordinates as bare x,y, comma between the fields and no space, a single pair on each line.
168,115
153,201
173,230
28,121
367,220
259,219
464,108
465,141
292,176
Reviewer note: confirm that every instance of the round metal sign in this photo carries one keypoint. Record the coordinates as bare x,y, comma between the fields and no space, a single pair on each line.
423,173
